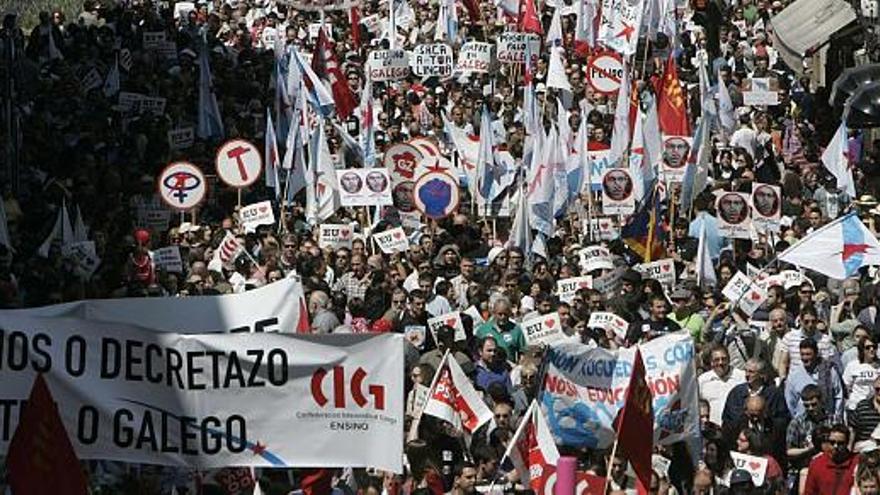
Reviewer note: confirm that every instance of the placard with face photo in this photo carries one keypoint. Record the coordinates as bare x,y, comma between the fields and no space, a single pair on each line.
617,192
734,215
766,207
364,187
676,150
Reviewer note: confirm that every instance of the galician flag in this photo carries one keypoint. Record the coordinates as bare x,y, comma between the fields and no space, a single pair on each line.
837,250
836,160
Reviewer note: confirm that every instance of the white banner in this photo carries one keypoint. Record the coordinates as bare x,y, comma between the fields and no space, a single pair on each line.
334,235
364,187
584,389
213,400
766,207
601,228
388,65
567,287
543,329
619,25
734,218
433,60
663,271
252,216
617,192
168,258
392,241
474,57
512,47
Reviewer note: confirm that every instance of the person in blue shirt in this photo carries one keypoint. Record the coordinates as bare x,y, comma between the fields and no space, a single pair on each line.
815,371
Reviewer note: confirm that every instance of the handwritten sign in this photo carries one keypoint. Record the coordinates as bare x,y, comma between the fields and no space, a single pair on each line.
432,60
512,47
388,65
181,138
474,57
609,321
168,258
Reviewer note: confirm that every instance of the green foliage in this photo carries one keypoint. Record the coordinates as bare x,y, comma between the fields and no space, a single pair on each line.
29,10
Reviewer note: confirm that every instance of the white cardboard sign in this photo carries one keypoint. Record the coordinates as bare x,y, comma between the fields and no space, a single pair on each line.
609,321
734,215
740,291
239,163
567,287
257,214
432,60
453,320
595,258
334,235
756,466
388,65
474,57
168,258
392,241
543,329
661,270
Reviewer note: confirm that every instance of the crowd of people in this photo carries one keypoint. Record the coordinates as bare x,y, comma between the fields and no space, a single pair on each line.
797,382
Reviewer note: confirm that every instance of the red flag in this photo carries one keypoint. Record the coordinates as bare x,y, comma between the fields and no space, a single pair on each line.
671,104
303,325
316,481
354,17
589,484
326,67
529,22
633,106
41,458
635,426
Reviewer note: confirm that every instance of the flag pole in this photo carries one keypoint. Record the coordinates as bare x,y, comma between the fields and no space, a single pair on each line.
610,462
414,427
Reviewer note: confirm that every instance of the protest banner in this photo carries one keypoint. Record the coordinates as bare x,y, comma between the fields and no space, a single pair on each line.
662,270
734,218
182,186
432,60
603,229
566,288
276,307
543,329
364,187
436,195
512,47
453,320
153,216
252,216
766,207
595,258
605,72
756,466
760,91
334,236
474,57
392,241
181,138
617,192
584,389
740,290
388,65
133,395
609,321
168,259
239,163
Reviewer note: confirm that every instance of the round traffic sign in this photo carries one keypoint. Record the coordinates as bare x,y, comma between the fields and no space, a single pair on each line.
182,186
239,163
436,194
604,72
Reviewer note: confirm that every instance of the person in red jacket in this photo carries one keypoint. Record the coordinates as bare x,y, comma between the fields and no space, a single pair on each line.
832,473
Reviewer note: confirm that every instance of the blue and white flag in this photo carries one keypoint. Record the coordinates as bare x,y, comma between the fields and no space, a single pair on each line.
210,120
837,250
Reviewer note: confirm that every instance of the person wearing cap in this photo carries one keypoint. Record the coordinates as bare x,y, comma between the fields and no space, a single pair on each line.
833,473
741,483
685,313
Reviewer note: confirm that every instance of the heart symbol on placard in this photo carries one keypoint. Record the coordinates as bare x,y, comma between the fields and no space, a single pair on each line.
583,284
550,323
344,233
263,209
398,235
603,225
451,322
754,465
756,296
665,268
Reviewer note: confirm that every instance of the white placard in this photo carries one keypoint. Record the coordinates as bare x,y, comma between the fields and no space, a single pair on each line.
760,91
152,39
734,215
182,9
512,47
182,186
432,60
766,207
474,57
609,321
388,65
567,287
605,72
543,329
129,102
609,283
315,29
83,256
756,466
793,278
603,229
740,291
334,235
416,335
617,192
453,320
595,258
392,241
364,187
154,105
252,216
181,138
168,258
676,150
662,270
239,163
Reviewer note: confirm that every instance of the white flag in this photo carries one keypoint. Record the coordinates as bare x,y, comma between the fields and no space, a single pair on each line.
324,179
111,84
556,77
80,231
705,270
836,160
554,33
620,134
61,230
270,155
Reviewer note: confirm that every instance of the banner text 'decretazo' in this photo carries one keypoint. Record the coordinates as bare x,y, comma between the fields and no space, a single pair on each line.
211,400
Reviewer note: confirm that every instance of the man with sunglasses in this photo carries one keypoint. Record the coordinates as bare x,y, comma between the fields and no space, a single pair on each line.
832,473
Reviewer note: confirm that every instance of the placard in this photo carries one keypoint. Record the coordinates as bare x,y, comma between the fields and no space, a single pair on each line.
595,258
734,215
766,207
740,290
239,163
334,235
760,91
474,57
453,320
512,47
604,73
567,287
432,60
604,229
436,195
609,321
543,329
676,151
610,282
181,138
182,186
152,39
252,216
168,258
315,29
756,466
364,187
152,104
392,241
662,270
599,163
388,65
84,257
617,192
401,160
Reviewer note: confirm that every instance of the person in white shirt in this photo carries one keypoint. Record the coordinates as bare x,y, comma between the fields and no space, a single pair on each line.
792,340
860,374
717,383
745,137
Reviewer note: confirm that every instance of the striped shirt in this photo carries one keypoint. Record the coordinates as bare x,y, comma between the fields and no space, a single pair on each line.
864,419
